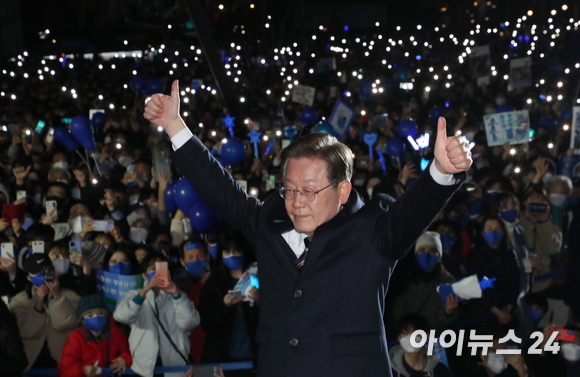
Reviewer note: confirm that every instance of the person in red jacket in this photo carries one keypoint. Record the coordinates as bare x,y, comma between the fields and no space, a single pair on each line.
97,343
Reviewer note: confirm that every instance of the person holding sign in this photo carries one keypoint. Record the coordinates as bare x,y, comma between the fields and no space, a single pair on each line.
321,301
161,317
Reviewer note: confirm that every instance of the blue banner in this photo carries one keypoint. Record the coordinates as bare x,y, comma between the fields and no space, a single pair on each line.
115,287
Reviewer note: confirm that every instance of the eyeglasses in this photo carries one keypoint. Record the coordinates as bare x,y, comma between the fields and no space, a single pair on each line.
307,193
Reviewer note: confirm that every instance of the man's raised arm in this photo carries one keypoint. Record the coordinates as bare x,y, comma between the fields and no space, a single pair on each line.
213,183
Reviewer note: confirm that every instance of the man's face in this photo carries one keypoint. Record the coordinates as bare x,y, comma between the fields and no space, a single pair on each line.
312,173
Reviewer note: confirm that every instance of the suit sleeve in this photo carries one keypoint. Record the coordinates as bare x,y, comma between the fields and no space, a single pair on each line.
216,187
397,225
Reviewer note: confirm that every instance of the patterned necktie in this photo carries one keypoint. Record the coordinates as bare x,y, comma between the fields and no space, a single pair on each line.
299,262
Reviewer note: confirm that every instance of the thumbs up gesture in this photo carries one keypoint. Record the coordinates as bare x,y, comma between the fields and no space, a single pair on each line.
163,111
452,154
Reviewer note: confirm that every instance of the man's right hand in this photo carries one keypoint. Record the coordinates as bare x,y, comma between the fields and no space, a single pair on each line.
163,111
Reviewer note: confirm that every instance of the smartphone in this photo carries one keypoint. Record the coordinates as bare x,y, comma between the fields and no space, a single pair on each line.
37,247
271,182
162,270
564,334
50,207
49,274
50,135
285,143
75,246
131,168
13,211
39,126
103,225
538,207
161,162
20,194
27,134
7,249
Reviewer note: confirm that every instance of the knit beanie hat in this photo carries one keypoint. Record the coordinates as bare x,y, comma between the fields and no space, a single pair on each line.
430,239
92,302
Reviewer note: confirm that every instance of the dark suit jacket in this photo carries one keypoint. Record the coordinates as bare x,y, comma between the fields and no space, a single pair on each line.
326,319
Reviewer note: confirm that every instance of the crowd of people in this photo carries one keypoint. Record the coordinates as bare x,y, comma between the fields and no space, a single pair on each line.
515,221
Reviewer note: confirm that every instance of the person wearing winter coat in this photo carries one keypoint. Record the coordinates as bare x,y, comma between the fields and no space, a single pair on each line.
419,286
46,314
161,318
408,360
96,343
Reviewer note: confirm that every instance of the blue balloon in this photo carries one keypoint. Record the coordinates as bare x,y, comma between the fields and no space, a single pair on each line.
153,86
325,127
170,198
365,88
435,113
308,115
82,132
184,195
406,128
204,219
64,137
504,109
99,120
233,152
138,83
565,115
396,147
547,122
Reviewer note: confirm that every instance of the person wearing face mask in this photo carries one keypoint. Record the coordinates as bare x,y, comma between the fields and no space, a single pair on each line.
499,365
194,258
12,279
139,228
60,193
543,237
44,334
59,174
408,360
121,262
161,317
421,282
559,191
97,343
80,220
230,322
494,258
73,269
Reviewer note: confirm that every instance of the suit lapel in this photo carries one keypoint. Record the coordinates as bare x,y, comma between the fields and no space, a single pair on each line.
279,246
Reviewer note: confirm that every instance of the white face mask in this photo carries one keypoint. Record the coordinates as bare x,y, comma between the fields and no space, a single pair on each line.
125,161
557,199
360,182
370,192
489,111
76,193
133,199
78,223
571,352
61,266
496,363
500,101
62,181
60,164
406,345
138,235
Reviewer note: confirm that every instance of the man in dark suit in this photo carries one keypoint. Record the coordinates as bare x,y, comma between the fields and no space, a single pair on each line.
322,302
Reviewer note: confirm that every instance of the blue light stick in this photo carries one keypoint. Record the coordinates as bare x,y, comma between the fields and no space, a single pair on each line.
370,140
254,139
229,121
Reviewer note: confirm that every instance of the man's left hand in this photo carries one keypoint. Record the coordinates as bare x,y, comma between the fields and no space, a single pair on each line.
452,154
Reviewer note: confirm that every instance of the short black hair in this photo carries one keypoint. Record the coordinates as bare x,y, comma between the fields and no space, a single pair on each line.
198,240
413,320
150,258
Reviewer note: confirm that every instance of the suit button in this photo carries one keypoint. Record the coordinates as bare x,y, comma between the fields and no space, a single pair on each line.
298,293
294,342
